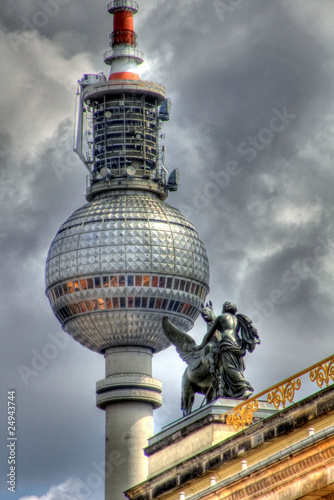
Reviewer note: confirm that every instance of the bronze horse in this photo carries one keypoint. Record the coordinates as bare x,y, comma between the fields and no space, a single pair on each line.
202,373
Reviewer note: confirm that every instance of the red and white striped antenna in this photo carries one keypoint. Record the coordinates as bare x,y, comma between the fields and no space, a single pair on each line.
124,58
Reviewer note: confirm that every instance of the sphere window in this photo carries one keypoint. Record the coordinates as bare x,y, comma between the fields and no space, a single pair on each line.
179,309
108,303
137,301
152,302
121,280
97,282
105,281
144,302
130,301
83,284
122,302
146,280
113,281
164,304
155,280
90,283
171,305
130,279
139,280
176,305
115,302
82,307
162,282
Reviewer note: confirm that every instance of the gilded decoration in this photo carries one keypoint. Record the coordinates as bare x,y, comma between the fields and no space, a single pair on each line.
323,373
243,415
282,393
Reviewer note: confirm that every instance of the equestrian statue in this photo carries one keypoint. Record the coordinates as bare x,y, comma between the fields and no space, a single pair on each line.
215,367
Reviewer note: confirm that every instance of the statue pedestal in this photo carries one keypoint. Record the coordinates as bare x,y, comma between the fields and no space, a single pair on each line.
188,436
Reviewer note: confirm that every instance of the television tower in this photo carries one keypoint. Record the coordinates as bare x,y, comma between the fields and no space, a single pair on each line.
126,258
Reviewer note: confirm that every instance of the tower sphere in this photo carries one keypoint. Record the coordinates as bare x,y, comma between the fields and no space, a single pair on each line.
119,264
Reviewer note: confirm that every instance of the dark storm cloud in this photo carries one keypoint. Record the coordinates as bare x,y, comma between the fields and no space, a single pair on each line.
251,132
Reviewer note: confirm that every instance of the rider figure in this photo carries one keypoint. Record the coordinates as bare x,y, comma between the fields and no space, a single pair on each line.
232,351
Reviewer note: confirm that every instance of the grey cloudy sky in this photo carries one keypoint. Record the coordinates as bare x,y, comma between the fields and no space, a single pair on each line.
251,131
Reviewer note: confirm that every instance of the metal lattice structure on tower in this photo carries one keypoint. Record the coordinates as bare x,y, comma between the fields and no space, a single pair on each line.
126,258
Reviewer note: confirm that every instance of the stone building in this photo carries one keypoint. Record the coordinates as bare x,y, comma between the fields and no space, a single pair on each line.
283,454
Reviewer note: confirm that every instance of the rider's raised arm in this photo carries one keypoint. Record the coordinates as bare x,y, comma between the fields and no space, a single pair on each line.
209,334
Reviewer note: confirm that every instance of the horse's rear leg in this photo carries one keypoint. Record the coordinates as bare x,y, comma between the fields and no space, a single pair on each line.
187,400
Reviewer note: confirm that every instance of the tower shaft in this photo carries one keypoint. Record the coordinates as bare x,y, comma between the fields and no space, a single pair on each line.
128,395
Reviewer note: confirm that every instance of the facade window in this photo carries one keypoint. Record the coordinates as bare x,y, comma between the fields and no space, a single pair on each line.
146,280
122,302
182,285
101,304
151,303
144,302
95,305
176,284
121,280
130,301
169,282
106,283
108,303
70,286
76,286
113,281
115,302
90,283
97,282
158,303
